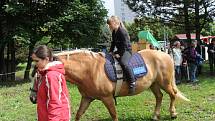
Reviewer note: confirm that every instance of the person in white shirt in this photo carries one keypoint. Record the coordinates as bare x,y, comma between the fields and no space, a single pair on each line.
177,57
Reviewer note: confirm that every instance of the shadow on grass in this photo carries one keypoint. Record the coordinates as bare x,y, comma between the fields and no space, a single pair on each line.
13,83
163,118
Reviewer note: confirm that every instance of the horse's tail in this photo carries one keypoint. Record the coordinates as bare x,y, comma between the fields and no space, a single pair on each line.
178,93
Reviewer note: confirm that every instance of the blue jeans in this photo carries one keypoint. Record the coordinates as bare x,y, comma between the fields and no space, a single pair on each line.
192,71
178,74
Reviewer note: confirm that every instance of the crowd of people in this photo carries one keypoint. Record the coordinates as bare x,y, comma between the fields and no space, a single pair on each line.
188,61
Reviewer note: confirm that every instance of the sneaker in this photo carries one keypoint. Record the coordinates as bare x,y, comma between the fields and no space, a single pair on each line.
194,82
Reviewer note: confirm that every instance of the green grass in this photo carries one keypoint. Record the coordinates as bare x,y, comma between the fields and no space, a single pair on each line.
21,66
16,106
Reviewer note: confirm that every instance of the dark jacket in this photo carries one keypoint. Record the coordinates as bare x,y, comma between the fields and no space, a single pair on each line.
190,54
120,40
211,47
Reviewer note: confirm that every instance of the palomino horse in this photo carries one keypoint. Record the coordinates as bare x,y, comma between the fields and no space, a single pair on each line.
86,70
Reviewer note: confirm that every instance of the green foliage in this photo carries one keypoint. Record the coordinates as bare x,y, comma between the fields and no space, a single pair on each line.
67,23
187,16
133,30
72,20
157,28
14,7
209,29
79,24
105,35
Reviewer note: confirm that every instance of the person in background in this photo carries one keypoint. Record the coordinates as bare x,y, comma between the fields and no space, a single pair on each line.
211,54
177,57
121,40
200,51
192,61
52,93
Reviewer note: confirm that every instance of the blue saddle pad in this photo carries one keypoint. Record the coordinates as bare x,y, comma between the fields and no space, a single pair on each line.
136,62
138,65
109,67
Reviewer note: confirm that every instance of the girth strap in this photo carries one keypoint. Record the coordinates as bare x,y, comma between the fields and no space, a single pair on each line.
119,75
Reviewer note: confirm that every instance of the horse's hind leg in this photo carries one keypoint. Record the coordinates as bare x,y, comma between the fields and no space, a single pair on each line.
110,105
84,104
158,95
169,89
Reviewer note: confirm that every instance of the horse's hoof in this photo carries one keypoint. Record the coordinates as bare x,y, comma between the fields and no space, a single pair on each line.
156,118
173,115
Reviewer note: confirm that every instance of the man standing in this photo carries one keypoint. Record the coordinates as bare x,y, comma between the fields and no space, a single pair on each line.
177,57
192,60
211,54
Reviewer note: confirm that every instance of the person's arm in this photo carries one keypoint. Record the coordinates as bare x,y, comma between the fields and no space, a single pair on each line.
53,96
112,44
181,58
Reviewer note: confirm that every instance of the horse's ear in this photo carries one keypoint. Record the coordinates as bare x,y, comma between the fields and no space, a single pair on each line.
58,58
101,54
55,58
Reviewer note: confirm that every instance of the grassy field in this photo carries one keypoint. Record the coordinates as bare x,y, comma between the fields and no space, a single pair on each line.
16,106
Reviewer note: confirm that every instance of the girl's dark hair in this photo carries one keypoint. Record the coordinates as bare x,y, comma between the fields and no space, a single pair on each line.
43,51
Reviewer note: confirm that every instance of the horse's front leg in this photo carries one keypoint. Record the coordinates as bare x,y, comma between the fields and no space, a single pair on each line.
84,104
110,105
158,95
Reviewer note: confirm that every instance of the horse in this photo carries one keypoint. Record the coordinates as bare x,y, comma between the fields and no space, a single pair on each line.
86,70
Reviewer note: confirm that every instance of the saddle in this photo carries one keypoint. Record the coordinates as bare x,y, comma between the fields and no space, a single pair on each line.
114,71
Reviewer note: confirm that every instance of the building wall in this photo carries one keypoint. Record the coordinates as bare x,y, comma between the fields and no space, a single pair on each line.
123,12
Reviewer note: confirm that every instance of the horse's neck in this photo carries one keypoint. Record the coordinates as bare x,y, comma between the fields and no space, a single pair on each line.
76,71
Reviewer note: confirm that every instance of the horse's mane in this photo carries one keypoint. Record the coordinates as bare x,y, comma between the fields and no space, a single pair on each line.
79,52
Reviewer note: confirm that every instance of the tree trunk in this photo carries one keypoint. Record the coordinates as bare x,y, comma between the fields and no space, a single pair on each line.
2,62
197,20
8,71
13,60
27,70
186,20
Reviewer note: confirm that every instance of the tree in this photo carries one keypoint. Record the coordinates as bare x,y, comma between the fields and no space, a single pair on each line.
80,24
7,44
189,14
209,29
75,23
105,37
52,22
